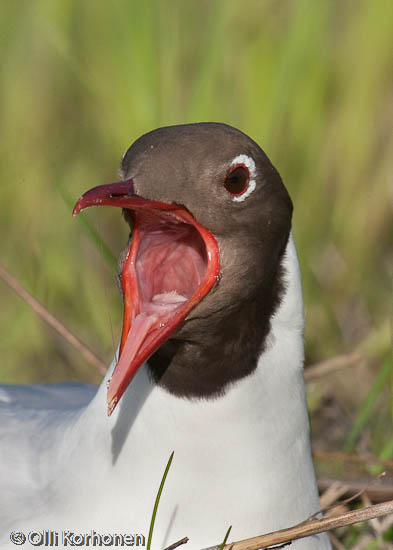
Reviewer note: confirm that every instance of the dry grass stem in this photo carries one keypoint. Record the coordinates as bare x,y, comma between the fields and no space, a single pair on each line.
333,364
374,522
377,492
329,498
313,527
336,542
177,544
52,321
331,495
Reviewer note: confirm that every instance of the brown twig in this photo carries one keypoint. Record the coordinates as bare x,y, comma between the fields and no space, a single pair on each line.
177,544
360,494
333,364
331,495
374,522
377,492
52,321
329,498
313,527
335,542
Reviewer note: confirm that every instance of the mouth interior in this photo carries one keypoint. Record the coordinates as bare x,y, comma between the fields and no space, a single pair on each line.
170,264
165,274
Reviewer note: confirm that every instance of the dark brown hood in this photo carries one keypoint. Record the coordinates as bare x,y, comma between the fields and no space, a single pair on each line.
201,276
223,336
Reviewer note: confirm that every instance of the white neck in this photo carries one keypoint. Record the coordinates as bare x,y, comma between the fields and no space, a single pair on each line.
242,459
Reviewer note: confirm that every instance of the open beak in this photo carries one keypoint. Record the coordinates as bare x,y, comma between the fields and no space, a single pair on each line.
171,264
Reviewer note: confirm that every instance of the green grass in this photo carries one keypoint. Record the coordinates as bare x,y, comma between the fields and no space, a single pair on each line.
310,81
225,538
157,500
365,410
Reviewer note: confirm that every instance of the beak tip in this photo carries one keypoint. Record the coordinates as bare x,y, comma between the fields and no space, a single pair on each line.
112,404
77,208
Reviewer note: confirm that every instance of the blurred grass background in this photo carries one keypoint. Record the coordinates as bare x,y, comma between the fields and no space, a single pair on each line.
312,82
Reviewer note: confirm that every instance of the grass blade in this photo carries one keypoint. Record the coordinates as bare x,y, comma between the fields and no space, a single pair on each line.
153,517
367,406
225,538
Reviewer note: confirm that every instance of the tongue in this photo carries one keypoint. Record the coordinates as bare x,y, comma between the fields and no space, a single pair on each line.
140,327
168,299
171,264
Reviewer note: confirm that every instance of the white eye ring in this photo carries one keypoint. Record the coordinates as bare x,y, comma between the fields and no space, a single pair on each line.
250,164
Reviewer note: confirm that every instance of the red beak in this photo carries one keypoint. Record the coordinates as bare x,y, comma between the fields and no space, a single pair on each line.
171,264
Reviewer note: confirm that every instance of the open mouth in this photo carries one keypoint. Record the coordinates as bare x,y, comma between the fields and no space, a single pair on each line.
171,264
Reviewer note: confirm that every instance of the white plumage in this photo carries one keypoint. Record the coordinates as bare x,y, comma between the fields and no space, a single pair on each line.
241,460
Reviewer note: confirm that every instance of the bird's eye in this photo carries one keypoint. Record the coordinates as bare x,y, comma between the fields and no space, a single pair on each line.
236,182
